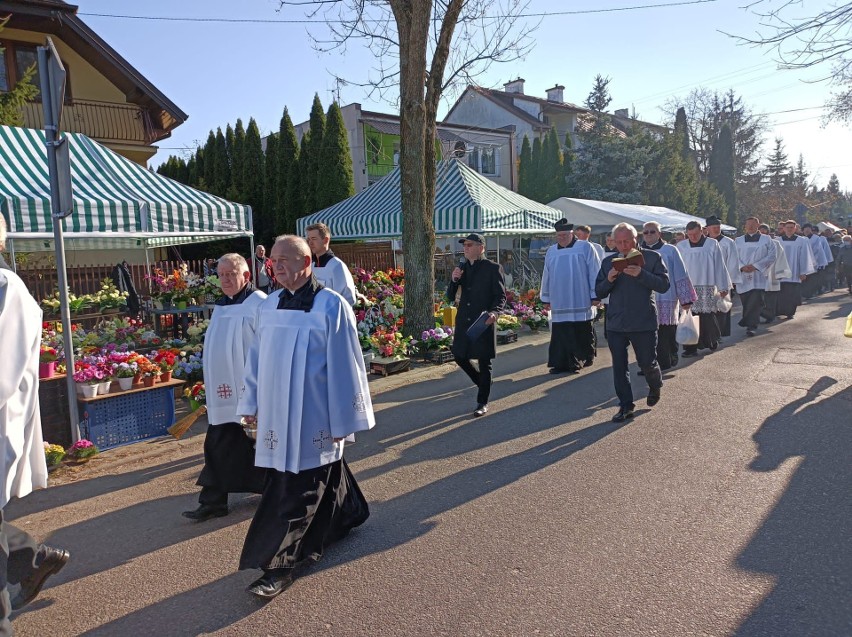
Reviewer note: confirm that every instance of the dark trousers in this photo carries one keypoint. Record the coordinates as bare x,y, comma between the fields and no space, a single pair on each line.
770,305
667,346
645,349
18,551
752,305
481,378
789,298
228,465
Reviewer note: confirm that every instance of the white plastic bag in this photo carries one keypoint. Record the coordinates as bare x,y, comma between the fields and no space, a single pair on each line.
687,328
724,304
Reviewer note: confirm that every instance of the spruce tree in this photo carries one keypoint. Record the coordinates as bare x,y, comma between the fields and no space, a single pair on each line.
192,171
288,154
525,169
237,161
199,177
709,202
252,182
536,182
671,180
314,149
599,97
681,132
270,184
335,181
722,173
567,162
777,167
209,171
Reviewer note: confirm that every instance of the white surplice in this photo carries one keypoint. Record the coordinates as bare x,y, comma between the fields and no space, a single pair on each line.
334,275
800,258
821,250
761,255
780,268
568,282
305,380
707,271
729,256
21,443
681,290
226,344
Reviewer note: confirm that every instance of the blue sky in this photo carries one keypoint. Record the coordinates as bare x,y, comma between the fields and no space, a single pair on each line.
217,72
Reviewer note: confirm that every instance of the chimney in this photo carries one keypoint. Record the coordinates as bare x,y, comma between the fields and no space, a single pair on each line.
623,112
515,86
555,94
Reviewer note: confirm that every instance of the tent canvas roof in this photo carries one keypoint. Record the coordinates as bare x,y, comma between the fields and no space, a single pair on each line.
603,215
117,203
465,201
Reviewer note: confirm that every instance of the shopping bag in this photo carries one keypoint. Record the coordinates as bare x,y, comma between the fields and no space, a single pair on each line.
848,331
724,304
687,328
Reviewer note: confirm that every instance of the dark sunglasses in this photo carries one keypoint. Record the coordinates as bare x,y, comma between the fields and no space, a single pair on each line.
649,232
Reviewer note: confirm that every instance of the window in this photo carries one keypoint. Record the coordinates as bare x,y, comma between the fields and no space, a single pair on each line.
4,77
25,57
14,62
488,158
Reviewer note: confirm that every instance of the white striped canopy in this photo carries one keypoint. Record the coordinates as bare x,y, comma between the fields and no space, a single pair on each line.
465,202
118,204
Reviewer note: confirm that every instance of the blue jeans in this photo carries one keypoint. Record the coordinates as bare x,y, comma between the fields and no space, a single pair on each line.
645,348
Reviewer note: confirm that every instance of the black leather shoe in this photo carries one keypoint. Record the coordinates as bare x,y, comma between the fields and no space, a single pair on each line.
272,584
622,415
51,563
480,410
749,332
653,396
557,370
588,362
206,512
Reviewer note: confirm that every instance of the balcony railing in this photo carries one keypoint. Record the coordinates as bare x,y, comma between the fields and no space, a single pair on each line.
103,121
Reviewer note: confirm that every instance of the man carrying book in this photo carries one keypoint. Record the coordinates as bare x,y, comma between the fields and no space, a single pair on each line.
630,278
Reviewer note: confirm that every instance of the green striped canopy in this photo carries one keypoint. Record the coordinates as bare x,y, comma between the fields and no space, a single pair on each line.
118,204
465,201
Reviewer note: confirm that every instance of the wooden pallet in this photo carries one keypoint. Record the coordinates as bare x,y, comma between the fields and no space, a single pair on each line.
506,338
438,357
387,366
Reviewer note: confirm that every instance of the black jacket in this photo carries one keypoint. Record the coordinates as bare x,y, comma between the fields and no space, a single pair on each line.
482,290
632,307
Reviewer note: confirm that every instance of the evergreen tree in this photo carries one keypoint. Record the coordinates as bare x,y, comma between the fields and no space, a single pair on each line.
313,156
288,154
199,178
599,98
12,102
252,182
567,163
335,181
229,148
723,173
553,179
525,169
237,162
294,204
305,176
536,182
681,131
192,170
221,169
833,188
209,171
709,202
270,184
777,168
800,176
671,181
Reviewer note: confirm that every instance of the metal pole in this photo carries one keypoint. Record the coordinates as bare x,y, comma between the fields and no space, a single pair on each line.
11,243
51,129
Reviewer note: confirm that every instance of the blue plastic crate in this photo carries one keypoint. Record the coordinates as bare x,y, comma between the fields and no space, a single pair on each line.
121,419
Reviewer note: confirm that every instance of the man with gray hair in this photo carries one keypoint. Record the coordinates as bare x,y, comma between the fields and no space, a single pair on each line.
305,390
228,453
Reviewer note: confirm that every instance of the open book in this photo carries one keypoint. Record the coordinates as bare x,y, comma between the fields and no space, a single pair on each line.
634,257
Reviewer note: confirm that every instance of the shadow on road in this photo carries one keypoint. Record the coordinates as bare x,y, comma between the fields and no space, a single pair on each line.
806,541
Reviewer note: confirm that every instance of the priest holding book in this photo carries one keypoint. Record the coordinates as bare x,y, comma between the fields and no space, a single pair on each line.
568,285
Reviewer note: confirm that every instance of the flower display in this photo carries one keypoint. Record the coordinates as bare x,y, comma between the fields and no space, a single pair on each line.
506,322
125,370
82,449
109,296
47,354
165,359
390,343
189,366
53,454
196,393
435,339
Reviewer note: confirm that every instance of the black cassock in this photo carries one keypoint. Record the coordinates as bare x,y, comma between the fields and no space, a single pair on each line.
482,290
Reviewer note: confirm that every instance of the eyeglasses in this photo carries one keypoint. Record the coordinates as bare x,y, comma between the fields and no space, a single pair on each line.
649,232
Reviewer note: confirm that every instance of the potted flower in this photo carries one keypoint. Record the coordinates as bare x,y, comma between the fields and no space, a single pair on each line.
82,450
88,377
149,371
47,362
77,304
166,360
196,395
53,454
125,372
109,299
435,344
507,323
51,304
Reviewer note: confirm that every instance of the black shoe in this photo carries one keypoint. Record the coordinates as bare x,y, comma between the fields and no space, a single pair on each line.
749,332
480,410
272,584
206,512
640,373
558,370
588,362
622,415
689,354
51,564
653,396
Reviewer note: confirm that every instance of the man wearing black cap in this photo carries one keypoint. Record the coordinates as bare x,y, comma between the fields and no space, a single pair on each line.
482,290
732,264
568,285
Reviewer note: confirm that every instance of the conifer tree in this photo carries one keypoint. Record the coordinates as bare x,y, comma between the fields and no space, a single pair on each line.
294,204
567,162
192,171
221,170
199,177
12,102
777,168
335,181
252,182
270,184
536,183
210,162
288,153
681,131
552,175
237,167
599,97
709,202
671,180
525,169
722,173
305,176
229,148
314,150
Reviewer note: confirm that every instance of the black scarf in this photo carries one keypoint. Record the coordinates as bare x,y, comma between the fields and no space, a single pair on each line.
752,238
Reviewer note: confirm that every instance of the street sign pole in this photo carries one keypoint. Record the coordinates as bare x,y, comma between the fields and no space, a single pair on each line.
52,76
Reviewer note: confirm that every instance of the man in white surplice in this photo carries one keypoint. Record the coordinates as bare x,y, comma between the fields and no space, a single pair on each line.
305,386
22,560
756,255
800,257
729,256
779,270
568,285
228,453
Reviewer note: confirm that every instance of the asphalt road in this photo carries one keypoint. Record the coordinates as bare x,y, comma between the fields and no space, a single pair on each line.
724,510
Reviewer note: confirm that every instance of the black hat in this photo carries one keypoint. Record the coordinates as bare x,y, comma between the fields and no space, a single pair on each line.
474,236
563,226
713,221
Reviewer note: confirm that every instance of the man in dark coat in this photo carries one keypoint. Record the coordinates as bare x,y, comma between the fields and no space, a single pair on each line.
632,317
482,290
